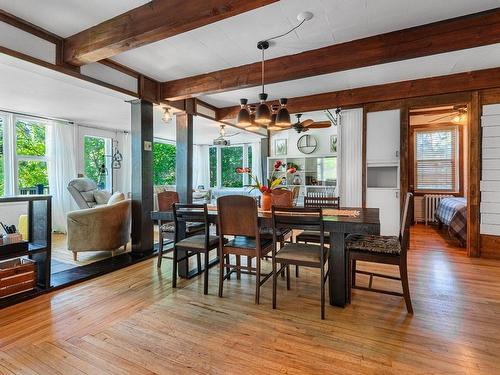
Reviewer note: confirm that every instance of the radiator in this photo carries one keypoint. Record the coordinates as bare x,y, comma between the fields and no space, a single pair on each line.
431,202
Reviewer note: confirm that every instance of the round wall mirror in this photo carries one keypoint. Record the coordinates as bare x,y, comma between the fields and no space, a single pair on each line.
307,144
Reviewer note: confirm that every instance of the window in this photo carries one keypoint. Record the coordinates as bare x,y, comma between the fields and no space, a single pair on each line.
96,165
163,163
436,155
32,177
223,164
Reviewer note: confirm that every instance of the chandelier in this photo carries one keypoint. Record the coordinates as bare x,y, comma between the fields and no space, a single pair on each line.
270,117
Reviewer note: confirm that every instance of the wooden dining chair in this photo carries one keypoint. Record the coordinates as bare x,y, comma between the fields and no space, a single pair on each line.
318,201
238,217
166,200
283,198
382,249
196,244
300,254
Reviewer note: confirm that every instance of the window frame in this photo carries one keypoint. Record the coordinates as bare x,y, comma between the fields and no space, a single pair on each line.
19,158
246,178
459,168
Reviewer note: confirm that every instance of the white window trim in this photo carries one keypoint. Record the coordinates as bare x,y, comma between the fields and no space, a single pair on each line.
246,178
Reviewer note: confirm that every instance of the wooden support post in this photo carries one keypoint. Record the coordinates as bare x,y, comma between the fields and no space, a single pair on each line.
142,176
184,157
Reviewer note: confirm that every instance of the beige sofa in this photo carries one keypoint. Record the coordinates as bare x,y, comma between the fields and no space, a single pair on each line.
101,228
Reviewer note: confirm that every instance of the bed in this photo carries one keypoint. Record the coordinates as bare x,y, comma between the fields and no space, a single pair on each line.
452,212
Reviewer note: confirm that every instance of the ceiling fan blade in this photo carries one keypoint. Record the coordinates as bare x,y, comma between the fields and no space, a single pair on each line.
306,123
320,124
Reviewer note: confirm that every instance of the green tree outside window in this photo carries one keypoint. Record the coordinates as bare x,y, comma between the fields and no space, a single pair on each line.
163,163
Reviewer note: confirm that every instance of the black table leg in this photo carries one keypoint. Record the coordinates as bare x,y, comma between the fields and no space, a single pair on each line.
337,270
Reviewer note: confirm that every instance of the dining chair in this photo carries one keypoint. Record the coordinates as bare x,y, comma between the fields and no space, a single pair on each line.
316,200
283,198
238,218
382,249
300,254
166,199
196,244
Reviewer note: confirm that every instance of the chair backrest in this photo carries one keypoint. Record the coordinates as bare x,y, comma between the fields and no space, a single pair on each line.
193,213
295,191
82,190
282,197
238,216
321,201
166,199
298,218
406,219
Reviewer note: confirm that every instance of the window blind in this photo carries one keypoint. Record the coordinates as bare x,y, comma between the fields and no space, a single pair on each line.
436,159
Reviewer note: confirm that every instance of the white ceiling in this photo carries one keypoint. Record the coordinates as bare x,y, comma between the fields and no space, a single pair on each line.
68,17
31,89
429,66
232,42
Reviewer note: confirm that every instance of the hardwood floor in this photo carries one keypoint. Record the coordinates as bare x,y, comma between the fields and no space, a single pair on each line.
132,322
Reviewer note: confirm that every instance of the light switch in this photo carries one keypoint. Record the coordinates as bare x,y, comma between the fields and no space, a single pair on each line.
148,146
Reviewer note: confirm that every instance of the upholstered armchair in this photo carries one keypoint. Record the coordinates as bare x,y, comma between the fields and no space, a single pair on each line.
103,228
82,190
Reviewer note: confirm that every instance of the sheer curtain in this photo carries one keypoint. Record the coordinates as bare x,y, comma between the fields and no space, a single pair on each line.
350,149
256,160
201,166
61,168
126,176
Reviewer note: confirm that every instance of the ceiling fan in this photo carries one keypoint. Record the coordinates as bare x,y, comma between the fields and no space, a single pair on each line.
457,114
222,140
303,126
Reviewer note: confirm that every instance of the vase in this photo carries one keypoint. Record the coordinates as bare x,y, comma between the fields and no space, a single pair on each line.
297,180
265,202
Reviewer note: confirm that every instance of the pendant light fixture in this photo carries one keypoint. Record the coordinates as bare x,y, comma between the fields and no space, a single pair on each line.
264,117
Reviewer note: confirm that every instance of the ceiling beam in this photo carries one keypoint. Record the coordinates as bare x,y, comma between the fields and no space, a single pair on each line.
156,20
469,31
476,80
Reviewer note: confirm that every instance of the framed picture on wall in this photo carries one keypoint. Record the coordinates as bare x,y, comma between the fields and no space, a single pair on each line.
333,143
280,147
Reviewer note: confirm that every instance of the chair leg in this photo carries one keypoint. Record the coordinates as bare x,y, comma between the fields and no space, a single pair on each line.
322,289
283,271
205,276
287,277
228,269
238,269
174,268
249,263
221,272
353,272
296,271
275,276
75,256
403,271
198,262
257,281
349,278
160,251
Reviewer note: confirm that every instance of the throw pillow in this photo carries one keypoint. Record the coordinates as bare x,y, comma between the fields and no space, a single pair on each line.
116,197
102,196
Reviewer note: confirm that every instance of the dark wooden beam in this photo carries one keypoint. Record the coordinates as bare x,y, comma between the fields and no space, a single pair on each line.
142,175
476,80
445,36
184,157
156,20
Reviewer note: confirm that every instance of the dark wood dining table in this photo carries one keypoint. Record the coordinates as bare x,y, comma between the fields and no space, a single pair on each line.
339,226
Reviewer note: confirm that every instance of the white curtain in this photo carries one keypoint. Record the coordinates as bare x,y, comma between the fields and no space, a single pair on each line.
350,149
125,173
201,166
256,160
61,168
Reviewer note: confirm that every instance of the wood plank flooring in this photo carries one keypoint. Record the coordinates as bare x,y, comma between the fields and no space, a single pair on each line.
132,322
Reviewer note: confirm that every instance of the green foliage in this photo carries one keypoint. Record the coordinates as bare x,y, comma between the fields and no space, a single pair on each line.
213,166
30,141
163,163
94,149
231,158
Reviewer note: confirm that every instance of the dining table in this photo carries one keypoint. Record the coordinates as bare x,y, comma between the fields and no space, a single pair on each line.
337,222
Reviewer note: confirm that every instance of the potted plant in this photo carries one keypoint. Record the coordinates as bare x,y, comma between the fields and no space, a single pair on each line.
273,182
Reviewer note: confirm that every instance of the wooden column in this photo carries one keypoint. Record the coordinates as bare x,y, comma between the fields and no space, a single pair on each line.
142,176
265,151
184,157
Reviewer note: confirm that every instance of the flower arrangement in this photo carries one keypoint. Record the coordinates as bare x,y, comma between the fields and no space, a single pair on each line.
273,182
